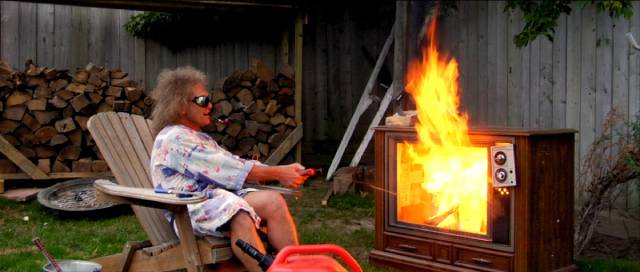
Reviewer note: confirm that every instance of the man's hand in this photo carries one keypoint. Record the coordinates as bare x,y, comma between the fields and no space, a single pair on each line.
291,175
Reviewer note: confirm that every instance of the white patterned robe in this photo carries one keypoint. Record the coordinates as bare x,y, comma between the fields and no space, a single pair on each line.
187,160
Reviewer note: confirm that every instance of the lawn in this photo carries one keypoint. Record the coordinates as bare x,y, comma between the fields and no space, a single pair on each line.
347,221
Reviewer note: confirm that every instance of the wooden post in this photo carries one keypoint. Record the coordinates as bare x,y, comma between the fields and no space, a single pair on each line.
298,43
286,146
1,186
284,47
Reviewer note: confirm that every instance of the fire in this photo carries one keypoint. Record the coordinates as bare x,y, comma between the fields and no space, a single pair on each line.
442,179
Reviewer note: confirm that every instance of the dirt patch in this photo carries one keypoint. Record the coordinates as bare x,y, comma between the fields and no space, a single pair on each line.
347,225
605,247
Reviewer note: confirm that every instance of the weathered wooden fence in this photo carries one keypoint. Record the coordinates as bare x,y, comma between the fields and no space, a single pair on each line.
573,82
70,37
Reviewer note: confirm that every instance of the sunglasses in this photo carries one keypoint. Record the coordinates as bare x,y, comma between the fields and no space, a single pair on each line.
202,101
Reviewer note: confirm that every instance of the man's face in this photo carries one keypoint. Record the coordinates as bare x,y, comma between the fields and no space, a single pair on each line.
197,115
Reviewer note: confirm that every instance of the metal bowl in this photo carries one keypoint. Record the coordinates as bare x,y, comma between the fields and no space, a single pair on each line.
77,195
73,265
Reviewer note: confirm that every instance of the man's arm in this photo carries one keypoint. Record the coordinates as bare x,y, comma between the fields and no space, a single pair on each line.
288,175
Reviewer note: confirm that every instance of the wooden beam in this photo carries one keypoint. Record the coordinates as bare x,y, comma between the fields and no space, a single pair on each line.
62,175
176,5
298,44
363,104
20,160
384,104
287,144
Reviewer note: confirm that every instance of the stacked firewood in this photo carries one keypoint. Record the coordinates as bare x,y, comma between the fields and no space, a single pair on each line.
45,112
253,111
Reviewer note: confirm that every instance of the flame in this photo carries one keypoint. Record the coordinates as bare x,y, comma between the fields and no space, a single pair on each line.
451,173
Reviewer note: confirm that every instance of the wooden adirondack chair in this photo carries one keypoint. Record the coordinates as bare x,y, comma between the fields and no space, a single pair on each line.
125,141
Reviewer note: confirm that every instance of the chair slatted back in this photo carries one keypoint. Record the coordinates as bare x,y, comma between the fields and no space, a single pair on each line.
125,142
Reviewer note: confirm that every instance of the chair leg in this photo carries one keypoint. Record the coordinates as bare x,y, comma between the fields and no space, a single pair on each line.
187,240
128,251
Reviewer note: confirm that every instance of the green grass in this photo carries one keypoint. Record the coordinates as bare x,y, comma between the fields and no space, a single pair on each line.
347,221
607,265
64,238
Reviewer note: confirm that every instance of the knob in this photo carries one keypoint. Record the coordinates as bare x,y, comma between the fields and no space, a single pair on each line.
501,175
500,158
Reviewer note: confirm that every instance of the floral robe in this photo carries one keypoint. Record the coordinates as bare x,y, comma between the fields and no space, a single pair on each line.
187,160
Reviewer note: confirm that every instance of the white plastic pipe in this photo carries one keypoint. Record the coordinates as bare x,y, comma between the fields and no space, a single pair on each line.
632,41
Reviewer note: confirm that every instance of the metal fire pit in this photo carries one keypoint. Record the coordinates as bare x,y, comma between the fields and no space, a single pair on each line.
77,195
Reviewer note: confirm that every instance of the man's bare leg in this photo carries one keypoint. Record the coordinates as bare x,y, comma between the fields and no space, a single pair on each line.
243,227
272,208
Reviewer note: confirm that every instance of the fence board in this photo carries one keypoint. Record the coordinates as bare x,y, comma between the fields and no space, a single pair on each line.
545,95
111,34
27,37
559,75
572,116
514,105
620,87
126,48
587,82
604,45
471,68
10,29
479,118
573,71
633,198
79,36
140,71
319,82
492,63
45,40
62,37
152,63
534,83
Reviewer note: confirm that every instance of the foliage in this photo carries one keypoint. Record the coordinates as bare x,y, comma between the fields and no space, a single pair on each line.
612,160
541,16
144,25
180,30
171,29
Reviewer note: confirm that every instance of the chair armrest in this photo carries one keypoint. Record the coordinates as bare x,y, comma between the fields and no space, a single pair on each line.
279,189
107,190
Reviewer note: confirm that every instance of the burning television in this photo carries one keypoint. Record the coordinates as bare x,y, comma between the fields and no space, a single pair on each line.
451,198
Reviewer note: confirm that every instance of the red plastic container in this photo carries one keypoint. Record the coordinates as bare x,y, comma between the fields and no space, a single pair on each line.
285,262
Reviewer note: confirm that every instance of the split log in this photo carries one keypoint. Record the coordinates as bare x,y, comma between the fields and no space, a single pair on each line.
45,111
45,165
44,134
14,113
65,125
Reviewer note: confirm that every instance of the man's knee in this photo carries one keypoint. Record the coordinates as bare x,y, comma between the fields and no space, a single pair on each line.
276,204
242,220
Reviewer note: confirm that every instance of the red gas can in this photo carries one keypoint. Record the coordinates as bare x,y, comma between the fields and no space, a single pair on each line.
285,262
